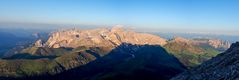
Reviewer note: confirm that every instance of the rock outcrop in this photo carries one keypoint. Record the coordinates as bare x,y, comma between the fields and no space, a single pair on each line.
220,45
222,67
38,43
100,37
215,43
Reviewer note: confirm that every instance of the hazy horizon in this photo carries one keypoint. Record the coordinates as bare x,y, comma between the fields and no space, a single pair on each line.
119,39
184,16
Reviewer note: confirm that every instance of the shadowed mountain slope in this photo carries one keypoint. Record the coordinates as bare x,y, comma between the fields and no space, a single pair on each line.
190,52
222,67
126,62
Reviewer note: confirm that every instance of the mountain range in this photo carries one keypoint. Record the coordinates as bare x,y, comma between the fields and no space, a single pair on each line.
107,54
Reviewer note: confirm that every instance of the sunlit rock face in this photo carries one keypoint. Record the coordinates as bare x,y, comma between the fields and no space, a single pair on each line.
100,37
220,45
68,49
38,43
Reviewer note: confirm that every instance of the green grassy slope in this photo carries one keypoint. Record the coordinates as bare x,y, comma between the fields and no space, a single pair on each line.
190,55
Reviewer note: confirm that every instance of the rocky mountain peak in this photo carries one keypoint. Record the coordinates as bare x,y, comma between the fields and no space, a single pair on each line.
100,37
234,47
38,43
181,39
218,43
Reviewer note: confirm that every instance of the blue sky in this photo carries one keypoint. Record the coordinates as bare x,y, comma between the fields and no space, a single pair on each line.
219,16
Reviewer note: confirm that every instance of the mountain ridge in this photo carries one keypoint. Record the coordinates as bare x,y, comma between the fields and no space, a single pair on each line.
97,37
69,49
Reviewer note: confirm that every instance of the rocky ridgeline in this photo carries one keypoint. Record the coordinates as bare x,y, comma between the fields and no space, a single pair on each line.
215,43
99,37
113,37
67,49
222,67
219,43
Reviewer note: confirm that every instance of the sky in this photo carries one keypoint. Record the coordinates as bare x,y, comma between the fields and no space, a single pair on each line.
200,16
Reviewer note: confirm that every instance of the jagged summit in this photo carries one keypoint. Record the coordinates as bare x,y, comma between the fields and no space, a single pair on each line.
38,43
100,37
233,47
222,67
180,39
215,43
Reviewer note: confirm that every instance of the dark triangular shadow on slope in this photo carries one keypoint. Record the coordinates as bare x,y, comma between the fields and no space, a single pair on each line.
128,62
125,62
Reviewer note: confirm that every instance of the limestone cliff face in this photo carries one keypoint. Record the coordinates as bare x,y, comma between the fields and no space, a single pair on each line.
38,43
222,67
100,37
215,43
219,43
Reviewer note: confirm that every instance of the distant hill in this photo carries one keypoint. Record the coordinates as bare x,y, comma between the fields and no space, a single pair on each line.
169,35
